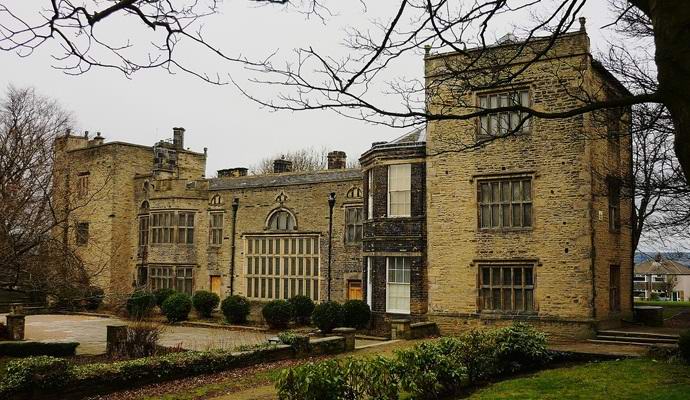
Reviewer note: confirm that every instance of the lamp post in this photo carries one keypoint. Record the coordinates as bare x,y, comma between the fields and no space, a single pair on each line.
331,203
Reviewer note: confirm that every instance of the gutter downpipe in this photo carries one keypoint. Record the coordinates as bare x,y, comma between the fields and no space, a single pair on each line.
235,206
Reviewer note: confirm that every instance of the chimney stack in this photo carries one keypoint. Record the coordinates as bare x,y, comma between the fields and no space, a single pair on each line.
337,160
282,165
232,172
178,138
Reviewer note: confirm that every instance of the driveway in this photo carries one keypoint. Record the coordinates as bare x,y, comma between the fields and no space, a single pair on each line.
90,332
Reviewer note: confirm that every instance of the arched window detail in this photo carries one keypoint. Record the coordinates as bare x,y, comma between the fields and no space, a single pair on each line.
144,208
281,220
355,192
216,200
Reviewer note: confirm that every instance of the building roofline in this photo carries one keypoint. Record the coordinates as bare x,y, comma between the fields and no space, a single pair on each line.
141,146
285,179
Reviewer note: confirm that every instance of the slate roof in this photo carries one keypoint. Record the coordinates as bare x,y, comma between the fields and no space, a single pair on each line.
285,179
661,266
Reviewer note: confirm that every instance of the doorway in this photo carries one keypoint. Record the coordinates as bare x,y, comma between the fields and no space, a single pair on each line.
215,284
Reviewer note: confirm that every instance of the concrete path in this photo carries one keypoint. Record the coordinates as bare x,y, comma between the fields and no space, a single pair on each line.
90,332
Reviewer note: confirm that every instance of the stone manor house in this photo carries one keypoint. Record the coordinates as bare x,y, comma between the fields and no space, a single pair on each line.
532,227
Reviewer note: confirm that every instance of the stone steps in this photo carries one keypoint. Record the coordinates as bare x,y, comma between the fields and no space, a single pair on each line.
634,338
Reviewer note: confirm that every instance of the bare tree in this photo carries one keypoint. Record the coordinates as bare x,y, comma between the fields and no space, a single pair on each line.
303,160
322,81
35,252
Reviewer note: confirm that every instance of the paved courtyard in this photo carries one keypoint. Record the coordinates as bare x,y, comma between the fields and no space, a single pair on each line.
90,332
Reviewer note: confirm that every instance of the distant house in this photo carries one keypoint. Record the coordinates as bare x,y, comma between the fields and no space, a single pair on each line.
662,278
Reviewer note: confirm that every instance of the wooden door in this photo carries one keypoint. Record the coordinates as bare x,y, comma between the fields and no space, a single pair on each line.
354,290
215,285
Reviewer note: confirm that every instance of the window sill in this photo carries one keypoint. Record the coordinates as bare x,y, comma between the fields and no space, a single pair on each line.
400,312
507,314
505,230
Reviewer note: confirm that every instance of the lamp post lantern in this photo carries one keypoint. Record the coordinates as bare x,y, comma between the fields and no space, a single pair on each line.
331,203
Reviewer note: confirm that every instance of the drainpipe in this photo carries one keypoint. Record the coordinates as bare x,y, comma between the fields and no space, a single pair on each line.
235,206
331,203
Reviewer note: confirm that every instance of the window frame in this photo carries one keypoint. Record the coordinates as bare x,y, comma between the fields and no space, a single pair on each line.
162,224
175,277
186,221
144,222
81,235
500,94
370,194
406,263
500,286
613,186
215,232
83,184
408,191
358,225
280,266
290,225
501,204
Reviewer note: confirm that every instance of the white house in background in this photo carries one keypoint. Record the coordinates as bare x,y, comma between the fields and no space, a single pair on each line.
667,279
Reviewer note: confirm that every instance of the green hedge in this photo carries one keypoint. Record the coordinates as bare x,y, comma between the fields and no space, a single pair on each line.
39,375
431,370
24,349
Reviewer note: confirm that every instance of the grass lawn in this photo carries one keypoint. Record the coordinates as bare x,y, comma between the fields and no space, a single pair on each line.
623,379
671,308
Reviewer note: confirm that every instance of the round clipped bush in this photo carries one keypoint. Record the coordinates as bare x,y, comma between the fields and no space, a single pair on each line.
356,314
140,304
684,346
176,307
162,295
303,306
236,309
94,296
327,316
205,302
278,313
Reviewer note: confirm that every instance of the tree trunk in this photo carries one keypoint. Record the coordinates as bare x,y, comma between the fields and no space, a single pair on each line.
671,22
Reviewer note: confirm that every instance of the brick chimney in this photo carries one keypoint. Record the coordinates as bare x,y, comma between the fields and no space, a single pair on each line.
178,138
232,172
337,160
282,165
97,140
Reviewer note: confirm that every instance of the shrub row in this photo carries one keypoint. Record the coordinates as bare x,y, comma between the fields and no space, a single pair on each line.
175,306
24,349
43,374
326,316
428,371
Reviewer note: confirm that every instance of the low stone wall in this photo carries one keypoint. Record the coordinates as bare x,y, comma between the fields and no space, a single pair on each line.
404,329
457,324
139,375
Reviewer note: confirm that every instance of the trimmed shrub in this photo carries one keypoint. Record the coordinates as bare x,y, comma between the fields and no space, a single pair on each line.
31,373
236,309
140,304
431,370
278,313
312,381
205,302
327,316
303,306
24,349
287,337
94,297
176,307
162,295
684,346
519,347
356,314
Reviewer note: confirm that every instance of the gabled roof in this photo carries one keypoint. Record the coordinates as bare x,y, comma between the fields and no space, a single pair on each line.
661,266
285,179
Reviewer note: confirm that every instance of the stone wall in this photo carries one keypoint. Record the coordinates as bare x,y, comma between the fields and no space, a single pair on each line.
558,155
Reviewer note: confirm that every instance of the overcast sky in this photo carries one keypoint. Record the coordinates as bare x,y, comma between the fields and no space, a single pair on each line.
236,130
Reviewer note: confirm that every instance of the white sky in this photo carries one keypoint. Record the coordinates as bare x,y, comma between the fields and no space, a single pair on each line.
236,130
